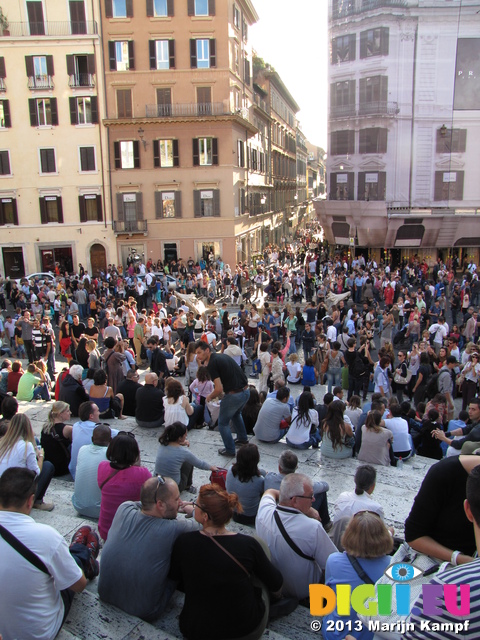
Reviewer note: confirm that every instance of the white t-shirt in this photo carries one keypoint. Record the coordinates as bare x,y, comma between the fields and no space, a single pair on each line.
32,608
22,455
299,431
294,371
348,504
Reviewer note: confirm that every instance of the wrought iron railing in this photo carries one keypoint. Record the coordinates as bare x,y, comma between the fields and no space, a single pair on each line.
48,28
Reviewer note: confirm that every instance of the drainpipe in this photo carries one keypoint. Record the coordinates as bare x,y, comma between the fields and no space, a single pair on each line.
412,132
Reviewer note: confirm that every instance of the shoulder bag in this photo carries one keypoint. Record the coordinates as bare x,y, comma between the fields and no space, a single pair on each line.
23,550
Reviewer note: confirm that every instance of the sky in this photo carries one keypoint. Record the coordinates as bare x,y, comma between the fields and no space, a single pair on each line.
293,38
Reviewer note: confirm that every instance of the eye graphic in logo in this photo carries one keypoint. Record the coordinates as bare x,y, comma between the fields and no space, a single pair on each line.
402,572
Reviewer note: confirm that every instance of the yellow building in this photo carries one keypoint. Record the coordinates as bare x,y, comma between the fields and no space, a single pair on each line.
52,198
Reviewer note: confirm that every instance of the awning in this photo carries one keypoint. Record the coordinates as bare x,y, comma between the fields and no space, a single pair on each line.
409,235
341,232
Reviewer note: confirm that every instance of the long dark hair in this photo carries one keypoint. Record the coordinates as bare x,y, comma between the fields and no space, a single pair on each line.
305,403
246,465
172,433
335,423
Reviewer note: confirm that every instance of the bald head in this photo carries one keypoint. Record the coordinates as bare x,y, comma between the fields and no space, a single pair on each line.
152,492
151,378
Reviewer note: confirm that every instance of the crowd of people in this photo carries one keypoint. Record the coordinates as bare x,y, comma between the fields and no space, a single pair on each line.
389,350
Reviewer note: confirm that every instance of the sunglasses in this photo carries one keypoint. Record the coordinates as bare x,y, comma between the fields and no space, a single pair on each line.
127,433
195,504
160,483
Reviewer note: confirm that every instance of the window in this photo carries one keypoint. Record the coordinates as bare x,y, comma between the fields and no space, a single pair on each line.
342,97
87,159
5,121
201,7
159,8
84,110
39,71
162,54
374,42
342,142
124,103
164,102
35,17
43,112
81,70
343,49
342,8
341,186
206,204
168,204
8,211
371,186
51,209
373,140
244,30
3,74
78,22
204,100
127,154
246,71
240,153
202,53
130,210
47,161
236,17
165,153
451,140
205,151
5,163
90,208
449,185
119,8
373,94
236,58
121,55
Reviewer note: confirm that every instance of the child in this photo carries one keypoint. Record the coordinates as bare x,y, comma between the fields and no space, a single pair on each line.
14,376
19,345
309,375
200,388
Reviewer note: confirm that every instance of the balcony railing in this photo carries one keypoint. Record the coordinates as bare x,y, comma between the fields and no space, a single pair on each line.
40,82
81,80
345,8
263,104
47,28
3,86
130,226
187,110
365,109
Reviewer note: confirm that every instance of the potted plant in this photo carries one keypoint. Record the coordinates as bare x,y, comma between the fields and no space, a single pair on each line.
4,23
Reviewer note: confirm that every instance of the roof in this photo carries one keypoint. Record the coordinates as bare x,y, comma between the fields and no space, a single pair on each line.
274,77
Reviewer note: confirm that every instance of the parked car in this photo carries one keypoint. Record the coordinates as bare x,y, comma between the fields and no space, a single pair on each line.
172,283
41,277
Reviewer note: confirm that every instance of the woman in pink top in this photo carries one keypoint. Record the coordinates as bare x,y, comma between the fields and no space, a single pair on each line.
120,479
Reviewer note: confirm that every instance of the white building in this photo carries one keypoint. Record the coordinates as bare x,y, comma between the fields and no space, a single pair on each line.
404,127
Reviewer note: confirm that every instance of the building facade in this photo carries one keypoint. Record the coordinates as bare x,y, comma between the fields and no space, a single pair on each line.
52,153
404,128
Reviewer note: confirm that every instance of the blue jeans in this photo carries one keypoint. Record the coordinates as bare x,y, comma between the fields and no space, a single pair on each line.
313,441
44,477
41,391
334,378
231,411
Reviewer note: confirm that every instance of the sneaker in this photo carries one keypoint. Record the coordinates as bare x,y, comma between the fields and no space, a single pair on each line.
224,452
239,443
44,506
80,536
92,569
191,489
93,543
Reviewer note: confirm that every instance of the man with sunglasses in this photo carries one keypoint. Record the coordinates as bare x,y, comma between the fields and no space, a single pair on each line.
136,556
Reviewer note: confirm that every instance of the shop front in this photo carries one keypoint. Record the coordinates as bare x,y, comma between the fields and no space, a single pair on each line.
53,258
13,263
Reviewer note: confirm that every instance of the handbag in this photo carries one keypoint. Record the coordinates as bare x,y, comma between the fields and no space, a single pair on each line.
324,366
400,379
219,477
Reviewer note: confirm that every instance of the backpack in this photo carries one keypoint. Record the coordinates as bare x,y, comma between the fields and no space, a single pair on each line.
256,366
204,338
431,389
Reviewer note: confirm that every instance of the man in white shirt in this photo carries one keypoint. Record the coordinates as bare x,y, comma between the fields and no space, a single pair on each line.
295,519
439,332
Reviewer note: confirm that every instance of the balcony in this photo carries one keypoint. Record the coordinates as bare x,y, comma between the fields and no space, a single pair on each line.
262,104
130,226
186,110
379,108
40,82
81,80
345,8
49,29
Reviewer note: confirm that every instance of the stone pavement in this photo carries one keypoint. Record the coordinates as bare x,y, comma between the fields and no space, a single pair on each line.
92,619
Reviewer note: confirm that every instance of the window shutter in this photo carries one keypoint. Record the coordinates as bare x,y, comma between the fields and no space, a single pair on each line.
246,76
2,216
29,66
149,8
196,153
118,160
84,166
32,106
333,186
6,114
120,213
129,7
99,208
139,205
82,208
70,65
191,7
334,51
158,205
91,63
241,153
178,204
54,111
156,153
50,71
352,47
216,203
131,59
94,109
112,56
176,157
193,54
351,141
197,204
459,186
242,201
171,53
170,9
462,140
214,151
73,110
43,211
213,57
15,212
2,67
383,88
382,184
109,8
59,210
153,54
384,34
136,154
211,7
361,186
363,44
382,140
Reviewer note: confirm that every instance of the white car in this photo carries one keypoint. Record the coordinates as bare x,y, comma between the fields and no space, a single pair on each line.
45,277
172,283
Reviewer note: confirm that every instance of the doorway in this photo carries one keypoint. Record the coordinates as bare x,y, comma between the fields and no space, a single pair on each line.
98,259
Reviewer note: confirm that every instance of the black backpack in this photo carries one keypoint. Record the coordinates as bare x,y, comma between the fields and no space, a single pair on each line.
431,389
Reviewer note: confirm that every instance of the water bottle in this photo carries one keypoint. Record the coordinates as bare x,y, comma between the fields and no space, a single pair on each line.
400,463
